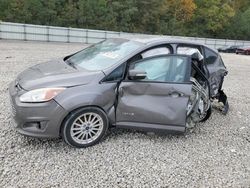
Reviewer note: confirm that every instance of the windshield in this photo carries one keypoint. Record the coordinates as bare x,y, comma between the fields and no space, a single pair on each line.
103,55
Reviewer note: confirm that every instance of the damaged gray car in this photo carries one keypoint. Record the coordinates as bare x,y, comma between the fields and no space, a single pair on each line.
154,84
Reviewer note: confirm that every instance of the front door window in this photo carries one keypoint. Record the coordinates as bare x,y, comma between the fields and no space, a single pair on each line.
169,68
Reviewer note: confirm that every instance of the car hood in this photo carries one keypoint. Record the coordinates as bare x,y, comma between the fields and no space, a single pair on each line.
55,73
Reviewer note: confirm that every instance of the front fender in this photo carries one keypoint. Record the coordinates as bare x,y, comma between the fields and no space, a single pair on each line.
101,95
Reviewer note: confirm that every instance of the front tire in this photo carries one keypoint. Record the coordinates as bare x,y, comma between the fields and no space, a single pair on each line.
85,127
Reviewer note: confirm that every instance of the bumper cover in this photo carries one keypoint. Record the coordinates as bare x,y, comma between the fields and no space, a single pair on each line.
41,120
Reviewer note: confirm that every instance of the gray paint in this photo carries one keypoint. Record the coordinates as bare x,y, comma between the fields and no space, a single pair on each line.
151,127
55,74
153,103
217,72
101,95
139,104
50,113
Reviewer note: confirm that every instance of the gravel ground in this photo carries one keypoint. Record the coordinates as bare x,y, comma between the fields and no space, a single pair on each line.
215,154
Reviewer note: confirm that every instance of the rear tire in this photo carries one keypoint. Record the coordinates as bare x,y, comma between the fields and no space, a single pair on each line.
84,127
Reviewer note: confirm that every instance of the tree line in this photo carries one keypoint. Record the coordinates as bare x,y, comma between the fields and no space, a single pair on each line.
203,18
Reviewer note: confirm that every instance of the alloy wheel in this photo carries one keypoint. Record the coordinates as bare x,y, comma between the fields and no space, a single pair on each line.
86,128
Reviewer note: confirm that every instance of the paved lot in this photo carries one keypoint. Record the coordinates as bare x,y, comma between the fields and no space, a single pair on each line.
215,154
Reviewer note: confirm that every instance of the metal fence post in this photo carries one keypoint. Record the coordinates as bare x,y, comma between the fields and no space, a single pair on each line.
24,32
0,30
87,41
68,35
105,34
47,33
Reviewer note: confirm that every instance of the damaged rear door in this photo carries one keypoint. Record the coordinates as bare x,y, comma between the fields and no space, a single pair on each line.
217,70
155,94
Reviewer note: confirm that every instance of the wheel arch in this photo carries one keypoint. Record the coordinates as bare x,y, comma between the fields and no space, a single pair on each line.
75,110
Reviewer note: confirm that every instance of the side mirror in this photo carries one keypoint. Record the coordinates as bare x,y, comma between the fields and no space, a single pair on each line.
136,74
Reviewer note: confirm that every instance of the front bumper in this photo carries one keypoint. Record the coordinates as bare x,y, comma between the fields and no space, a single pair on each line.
36,119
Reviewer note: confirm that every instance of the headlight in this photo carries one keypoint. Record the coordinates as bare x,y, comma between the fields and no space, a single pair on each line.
40,95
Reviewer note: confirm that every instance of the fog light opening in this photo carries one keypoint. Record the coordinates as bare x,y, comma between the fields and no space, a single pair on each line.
37,125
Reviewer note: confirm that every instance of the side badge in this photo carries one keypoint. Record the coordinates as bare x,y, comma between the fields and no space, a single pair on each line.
128,113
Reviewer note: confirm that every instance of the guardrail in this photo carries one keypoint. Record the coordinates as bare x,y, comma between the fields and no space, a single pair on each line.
31,32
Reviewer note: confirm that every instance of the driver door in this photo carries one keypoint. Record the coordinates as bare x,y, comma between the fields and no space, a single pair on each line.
158,99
